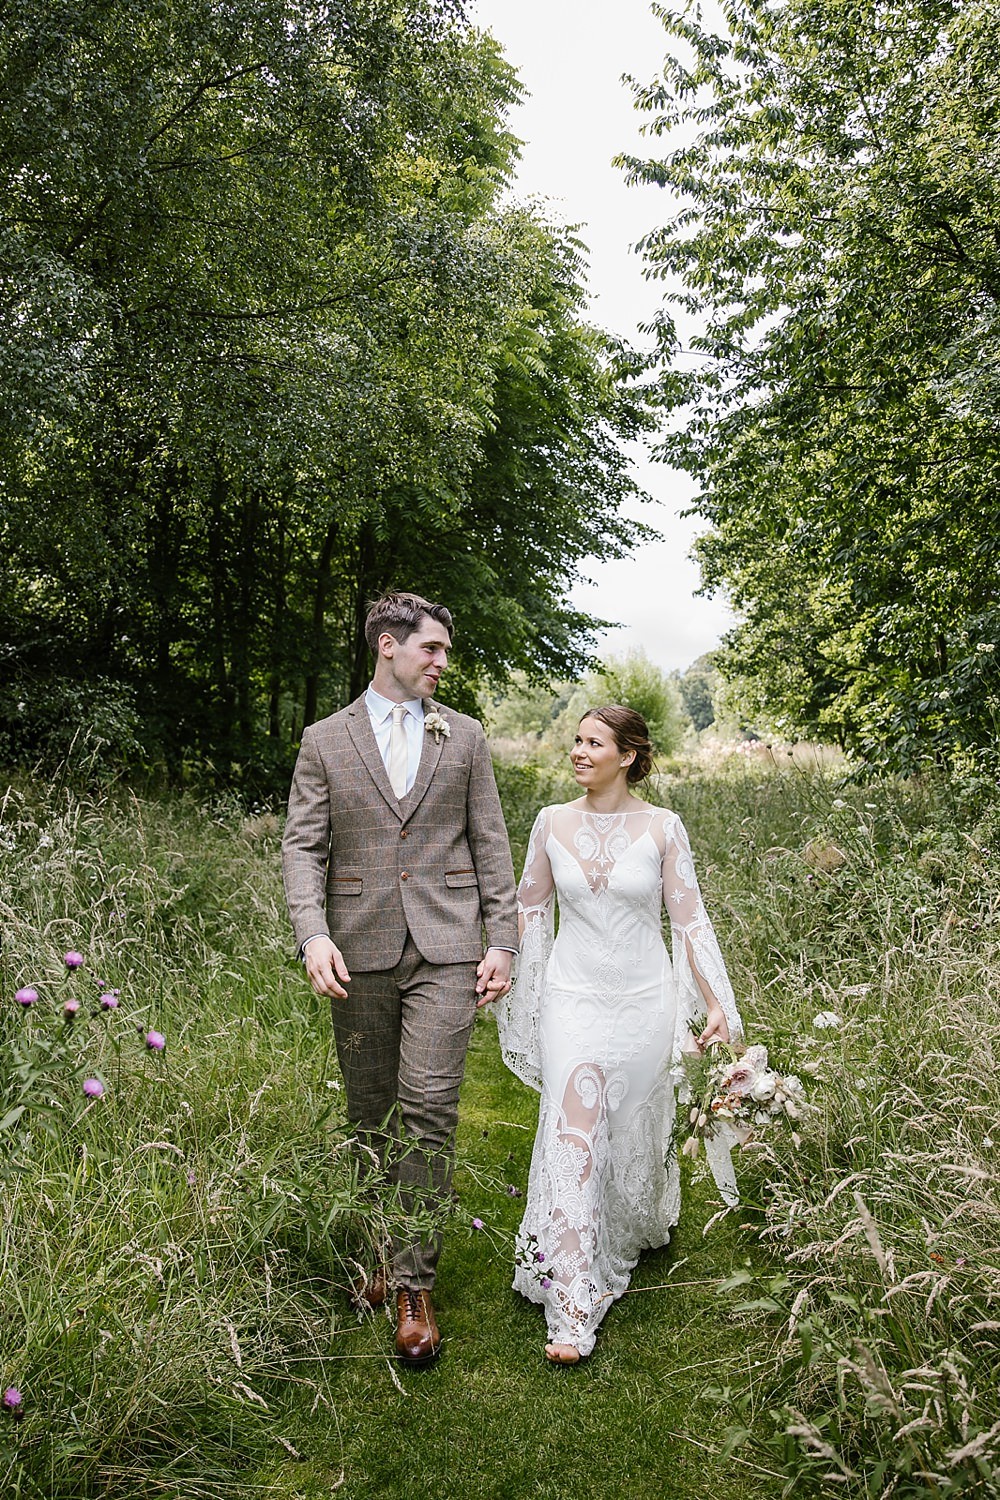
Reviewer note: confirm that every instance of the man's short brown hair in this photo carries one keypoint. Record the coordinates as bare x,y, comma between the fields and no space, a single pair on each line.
400,614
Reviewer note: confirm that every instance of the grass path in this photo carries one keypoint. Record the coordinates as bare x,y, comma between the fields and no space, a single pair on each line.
491,1420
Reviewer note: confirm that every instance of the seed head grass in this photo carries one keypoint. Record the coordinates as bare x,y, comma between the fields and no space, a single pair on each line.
177,1251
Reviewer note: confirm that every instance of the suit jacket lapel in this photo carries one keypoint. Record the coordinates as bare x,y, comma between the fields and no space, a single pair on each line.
359,727
430,754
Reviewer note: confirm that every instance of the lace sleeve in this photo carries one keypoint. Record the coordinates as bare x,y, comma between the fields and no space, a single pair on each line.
695,946
517,1012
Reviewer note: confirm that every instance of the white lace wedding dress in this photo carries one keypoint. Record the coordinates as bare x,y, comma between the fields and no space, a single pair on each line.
596,1021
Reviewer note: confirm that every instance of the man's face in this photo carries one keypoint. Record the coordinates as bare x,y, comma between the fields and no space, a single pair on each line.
414,666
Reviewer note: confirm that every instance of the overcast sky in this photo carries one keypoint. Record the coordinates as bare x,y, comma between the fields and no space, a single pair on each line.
570,55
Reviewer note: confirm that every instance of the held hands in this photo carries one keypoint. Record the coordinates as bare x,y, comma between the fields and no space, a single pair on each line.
493,975
326,968
716,1028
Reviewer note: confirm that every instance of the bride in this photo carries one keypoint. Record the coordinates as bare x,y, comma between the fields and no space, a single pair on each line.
596,1022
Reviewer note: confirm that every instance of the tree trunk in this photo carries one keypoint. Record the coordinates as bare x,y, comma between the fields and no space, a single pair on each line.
323,562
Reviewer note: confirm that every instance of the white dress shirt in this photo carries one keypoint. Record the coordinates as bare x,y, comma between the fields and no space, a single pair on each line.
380,713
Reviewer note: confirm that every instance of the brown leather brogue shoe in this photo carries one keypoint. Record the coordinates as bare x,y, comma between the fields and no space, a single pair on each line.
417,1338
371,1291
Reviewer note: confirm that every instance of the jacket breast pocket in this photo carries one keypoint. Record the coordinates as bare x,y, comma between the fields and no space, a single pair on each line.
344,885
455,878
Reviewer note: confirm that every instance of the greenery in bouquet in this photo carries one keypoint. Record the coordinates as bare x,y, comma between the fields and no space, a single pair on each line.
733,1090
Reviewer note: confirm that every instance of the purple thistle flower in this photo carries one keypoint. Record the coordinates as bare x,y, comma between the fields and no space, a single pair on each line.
539,1256
93,1088
155,1041
546,1282
109,1001
73,960
12,1398
477,1223
70,1009
512,1191
26,996
101,984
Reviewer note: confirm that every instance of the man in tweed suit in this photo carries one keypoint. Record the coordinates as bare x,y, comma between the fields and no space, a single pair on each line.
395,846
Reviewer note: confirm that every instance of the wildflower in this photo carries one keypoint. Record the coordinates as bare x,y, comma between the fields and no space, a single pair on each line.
690,1146
191,1179
26,996
155,1041
827,1020
73,960
539,1256
477,1224
109,1001
93,1088
546,1282
70,1009
512,1191
12,1398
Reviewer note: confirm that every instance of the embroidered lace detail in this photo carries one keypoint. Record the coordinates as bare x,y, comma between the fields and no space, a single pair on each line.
595,1023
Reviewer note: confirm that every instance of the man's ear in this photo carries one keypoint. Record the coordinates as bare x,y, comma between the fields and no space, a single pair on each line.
387,643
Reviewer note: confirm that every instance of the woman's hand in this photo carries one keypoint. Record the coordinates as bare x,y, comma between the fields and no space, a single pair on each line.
716,1028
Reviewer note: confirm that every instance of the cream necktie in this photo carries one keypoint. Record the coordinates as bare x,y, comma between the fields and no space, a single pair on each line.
398,752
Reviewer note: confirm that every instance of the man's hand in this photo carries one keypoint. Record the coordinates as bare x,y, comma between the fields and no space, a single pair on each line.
493,975
325,967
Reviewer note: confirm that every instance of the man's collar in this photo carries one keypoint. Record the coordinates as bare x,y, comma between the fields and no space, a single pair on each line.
380,708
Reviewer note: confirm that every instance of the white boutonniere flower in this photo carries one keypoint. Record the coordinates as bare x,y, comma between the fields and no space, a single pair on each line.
437,725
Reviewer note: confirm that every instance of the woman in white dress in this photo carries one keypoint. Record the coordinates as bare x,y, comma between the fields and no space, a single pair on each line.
596,1022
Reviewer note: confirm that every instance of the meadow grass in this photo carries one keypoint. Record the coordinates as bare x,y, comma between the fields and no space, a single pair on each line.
176,1254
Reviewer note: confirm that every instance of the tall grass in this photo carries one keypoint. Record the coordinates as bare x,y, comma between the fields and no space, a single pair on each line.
175,1254
169,1250
875,1341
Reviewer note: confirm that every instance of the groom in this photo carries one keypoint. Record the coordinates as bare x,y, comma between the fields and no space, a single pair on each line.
396,860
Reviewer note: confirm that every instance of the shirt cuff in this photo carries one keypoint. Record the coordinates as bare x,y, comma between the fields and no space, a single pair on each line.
305,945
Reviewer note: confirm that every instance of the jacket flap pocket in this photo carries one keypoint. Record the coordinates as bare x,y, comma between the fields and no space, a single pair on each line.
460,877
345,885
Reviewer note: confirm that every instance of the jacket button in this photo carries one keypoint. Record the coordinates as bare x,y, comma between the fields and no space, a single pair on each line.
404,875
404,833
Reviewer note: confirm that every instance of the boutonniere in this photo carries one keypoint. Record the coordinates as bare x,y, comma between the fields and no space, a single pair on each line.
437,725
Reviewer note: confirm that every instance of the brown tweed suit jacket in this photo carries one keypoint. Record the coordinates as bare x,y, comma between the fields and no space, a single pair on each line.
368,868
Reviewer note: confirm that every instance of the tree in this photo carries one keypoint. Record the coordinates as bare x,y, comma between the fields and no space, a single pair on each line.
635,681
698,686
839,237
274,345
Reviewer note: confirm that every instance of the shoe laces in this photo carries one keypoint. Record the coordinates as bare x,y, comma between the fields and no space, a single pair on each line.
413,1302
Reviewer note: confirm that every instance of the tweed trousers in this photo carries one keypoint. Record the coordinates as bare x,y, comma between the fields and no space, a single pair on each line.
402,1036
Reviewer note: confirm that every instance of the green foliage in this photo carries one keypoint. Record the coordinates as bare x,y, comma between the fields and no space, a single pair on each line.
873,1346
275,346
631,679
837,236
698,687
180,1314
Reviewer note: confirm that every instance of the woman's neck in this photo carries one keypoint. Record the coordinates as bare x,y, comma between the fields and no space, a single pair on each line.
614,799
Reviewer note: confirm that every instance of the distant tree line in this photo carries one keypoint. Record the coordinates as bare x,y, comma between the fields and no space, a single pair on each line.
273,344
838,244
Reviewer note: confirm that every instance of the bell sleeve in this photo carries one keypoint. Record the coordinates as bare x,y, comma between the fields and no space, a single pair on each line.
518,1011
696,951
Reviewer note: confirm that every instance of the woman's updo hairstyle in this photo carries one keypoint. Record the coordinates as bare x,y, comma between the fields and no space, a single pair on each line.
631,732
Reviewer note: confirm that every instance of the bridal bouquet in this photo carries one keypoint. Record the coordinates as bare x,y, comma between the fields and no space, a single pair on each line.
732,1094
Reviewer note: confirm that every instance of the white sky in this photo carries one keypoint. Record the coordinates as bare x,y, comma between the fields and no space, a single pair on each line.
570,56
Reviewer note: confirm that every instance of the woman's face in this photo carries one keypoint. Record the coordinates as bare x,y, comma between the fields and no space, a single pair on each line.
597,760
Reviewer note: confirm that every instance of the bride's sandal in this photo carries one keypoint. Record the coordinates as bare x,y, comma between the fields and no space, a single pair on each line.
562,1354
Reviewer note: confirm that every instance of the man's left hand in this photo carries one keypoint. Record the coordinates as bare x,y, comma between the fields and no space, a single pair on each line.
493,975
